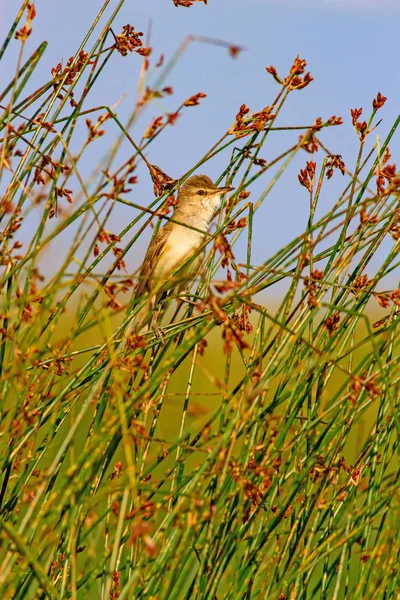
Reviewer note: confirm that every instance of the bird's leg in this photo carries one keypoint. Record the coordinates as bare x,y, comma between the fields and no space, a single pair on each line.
156,314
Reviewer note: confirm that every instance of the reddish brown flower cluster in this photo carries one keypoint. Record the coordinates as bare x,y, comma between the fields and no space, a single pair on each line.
172,117
234,51
272,71
121,286
293,81
385,173
312,284
241,319
261,162
355,475
9,148
332,323
117,470
240,126
201,347
226,286
233,225
158,123
231,334
161,180
323,469
111,291
153,128
129,41
94,131
234,200
318,124
58,565
382,321
254,123
360,283
148,508
308,141
385,298
223,246
254,492
366,218
315,276
334,162
194,100
260,119
12,227
395,230
149,94
307,175
119,183
369,384
25,31
47,169
59,364
169,203
135,341
334,120
42,123
229,284
379,101
63,193
36,279
359,126
214,304
141,530
134,363
71,70
27,314
115,591
187,3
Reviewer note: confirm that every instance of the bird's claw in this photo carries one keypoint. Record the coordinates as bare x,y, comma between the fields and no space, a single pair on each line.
159,333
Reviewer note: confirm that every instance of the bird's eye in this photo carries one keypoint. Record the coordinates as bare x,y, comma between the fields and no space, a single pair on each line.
201,193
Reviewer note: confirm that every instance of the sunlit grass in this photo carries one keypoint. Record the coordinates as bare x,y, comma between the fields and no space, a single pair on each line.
250,450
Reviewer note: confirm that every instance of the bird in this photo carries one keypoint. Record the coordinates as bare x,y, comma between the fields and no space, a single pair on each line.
173,245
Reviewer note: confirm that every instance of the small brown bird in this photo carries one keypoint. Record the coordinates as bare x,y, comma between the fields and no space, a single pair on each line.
175,243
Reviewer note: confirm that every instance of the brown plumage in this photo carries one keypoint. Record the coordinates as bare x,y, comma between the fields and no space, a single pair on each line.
153,253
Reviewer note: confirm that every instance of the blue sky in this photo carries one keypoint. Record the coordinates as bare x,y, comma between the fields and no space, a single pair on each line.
350,46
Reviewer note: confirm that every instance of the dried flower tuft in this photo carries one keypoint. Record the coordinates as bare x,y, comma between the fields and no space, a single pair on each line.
334,162
129,41
307,176
194,100
361,127
379,101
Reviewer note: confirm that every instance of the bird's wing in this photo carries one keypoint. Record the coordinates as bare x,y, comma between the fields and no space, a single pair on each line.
153,254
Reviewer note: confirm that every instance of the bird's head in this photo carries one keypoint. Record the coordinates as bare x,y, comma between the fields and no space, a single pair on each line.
200,190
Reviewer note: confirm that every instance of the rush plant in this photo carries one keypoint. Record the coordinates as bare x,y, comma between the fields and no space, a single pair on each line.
244,448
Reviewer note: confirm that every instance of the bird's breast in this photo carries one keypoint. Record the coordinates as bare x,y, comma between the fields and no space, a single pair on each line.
180,245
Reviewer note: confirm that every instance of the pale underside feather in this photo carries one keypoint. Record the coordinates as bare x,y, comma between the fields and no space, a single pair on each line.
162,260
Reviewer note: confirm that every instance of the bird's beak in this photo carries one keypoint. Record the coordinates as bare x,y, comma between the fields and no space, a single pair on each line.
224,190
